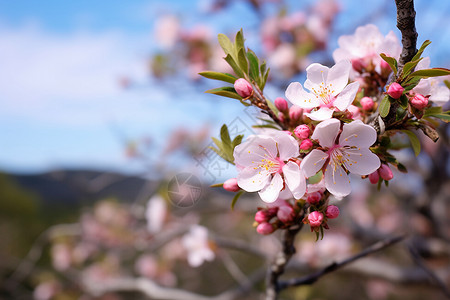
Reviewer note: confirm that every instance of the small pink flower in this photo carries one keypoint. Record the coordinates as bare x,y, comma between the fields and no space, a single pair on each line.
385,172
231,185
315,218
243,88
395,90
332,212
367,103
265,228
262,216
314,198
302,131
306,144
295,112
285,213
281,104
419,101
374,177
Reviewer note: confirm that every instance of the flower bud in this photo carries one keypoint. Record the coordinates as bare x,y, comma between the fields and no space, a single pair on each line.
295,112
385,66
314,198
231,185
281,104
281,116
265,228
419,101
315,218
262,216
358,64
374,177
367,103
332,212
306,144
385,172
285,213
243,88
302,131
395,90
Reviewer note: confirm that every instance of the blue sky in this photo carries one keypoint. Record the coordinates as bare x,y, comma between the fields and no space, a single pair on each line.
60,61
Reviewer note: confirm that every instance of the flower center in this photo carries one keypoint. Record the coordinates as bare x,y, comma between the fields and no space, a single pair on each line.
325,94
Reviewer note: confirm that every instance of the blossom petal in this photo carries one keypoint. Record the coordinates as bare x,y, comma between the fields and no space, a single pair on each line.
253,179
313,162
294,179
287,146
254,149
316,74
326,132
440,95
357,134
270,193
337,181
298,96
323,113
361,162
346,97
337,77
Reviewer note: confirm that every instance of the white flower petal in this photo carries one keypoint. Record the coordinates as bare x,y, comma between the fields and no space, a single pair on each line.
357,134
270,193
326,132
287,146
254,149
361,162
337,181
294,179
440,95
253,180
316,74
347,96
298,96
313,162
323,113
338,76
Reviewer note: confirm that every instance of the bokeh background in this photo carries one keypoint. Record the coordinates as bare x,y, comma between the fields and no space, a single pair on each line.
100,102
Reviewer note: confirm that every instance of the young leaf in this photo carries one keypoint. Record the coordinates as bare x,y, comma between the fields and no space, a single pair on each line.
404,101
447,83
226,91
235,198
421,49
225,43
242,59
433,110
433,72
392,62
237,140
409,66
225,137
218,76
254,66
216,185
385,106
415,143
230,60
239,41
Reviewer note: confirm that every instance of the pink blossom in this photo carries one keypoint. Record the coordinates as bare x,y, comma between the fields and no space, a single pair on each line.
332,212
433,87
231,185
314,198
243,88
395,90
419,101
315,218
196,244
155,213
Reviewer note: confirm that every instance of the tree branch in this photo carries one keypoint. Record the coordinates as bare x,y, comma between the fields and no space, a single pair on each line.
310,279
406,16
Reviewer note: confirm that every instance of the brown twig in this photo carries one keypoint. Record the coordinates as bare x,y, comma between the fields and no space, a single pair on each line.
310,279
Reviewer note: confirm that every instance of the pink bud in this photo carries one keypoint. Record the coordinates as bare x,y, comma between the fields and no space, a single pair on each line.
358,64
262,216
306,144
285,213
281,116
315,218
395,90
366,103
419,101
295,112
265,228
385,172
332,212
243,88
385,66
302,131
231,185
281,104
314,198
374,177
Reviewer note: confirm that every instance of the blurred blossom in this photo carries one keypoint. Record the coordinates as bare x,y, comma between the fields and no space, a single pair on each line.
155,213
46,290
147,265
167,30
61,256
335,247
197,246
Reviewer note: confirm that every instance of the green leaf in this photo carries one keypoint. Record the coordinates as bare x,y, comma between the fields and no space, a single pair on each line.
225,137
402,168
219,76
400,113
226,91
235,198
239,41
315,178
447,83
216,185
392,62
433,72
409,66
266,126
254,66
230,60
433,110
385,106
421,49
415,143
237,140
272,107
226,44
242,59
444,116
410,83
263,84
263,68
403,101
217,142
